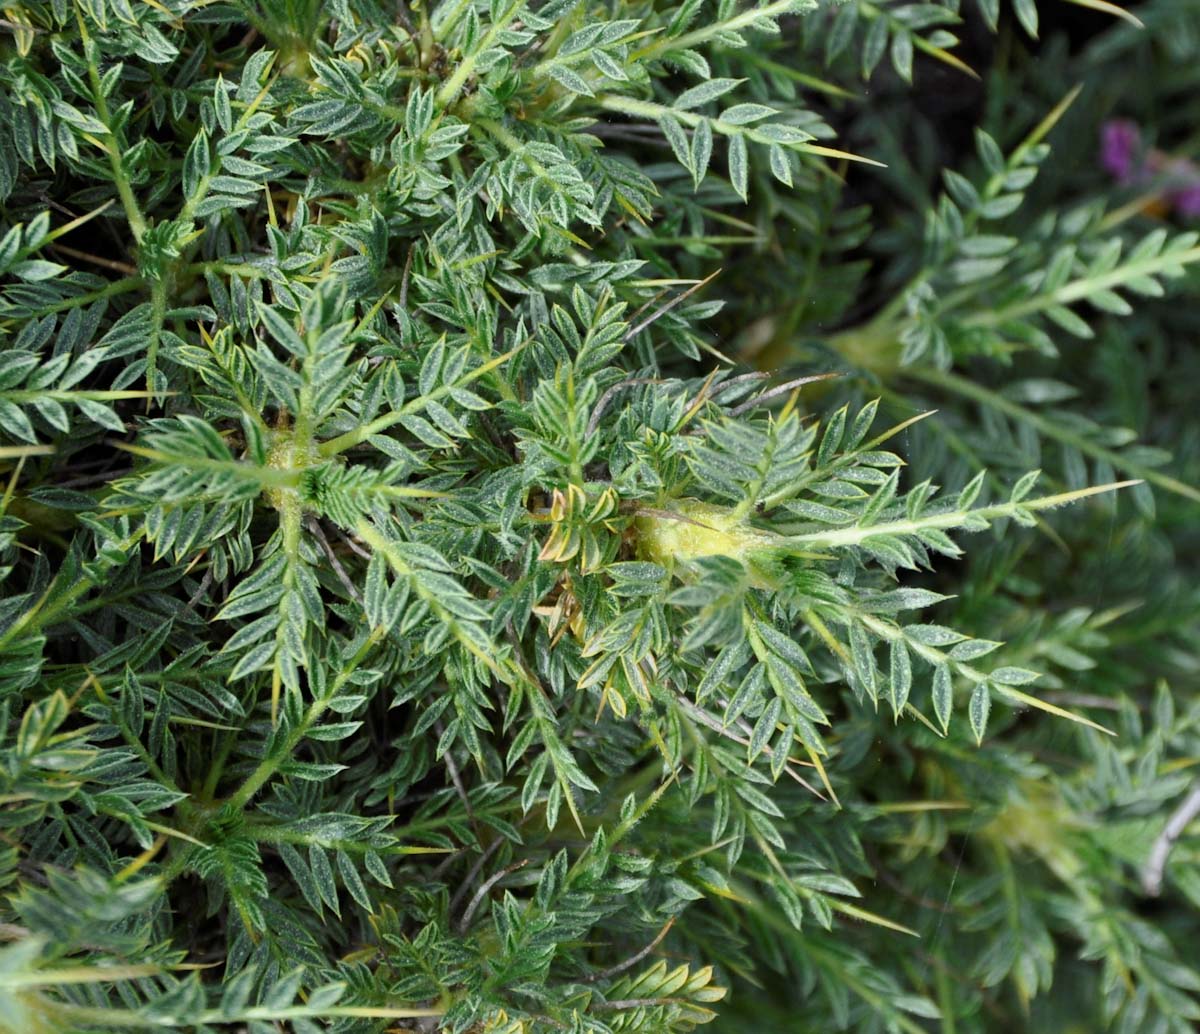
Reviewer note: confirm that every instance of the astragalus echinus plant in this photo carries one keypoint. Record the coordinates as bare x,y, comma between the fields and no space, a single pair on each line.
478,553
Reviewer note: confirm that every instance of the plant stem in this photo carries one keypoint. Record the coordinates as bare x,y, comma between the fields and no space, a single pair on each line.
278,755
985,396
114,287
1077,290
697,36
115,148
855,535
450,90
80,1014
360,434
158,310
48,608
1177,824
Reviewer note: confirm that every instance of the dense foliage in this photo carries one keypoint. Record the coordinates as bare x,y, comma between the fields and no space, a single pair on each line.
477,552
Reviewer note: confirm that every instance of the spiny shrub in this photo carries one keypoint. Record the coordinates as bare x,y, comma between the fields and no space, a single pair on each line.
474,558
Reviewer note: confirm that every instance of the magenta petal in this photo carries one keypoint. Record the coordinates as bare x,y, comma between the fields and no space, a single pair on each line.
1187,201
1120,141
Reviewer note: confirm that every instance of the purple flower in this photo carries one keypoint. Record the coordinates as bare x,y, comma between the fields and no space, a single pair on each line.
1177,180
1187,200
1120,144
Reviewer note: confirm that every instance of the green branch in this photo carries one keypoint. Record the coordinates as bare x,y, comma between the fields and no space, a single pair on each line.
453,86
985,396
1084,287
281,752
843,538
115,146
